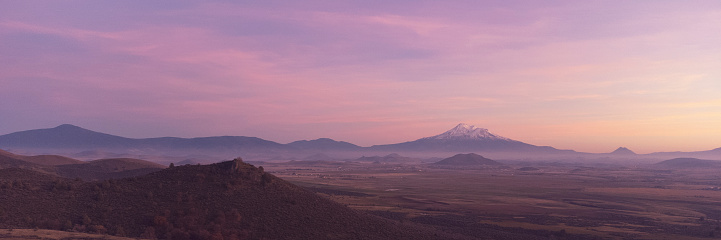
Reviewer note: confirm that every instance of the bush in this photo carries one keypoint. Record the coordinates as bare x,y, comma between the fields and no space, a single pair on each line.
99,229
86,220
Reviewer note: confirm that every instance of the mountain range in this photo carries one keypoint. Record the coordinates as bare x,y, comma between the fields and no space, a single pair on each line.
68,138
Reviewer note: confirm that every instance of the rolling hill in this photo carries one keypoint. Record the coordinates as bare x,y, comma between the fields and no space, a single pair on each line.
623,151
228,200
70,168
689,163
324,144
470,159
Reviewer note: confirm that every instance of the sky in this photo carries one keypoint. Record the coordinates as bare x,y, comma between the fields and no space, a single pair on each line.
584,75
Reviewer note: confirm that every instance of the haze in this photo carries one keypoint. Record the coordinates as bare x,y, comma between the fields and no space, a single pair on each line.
588,76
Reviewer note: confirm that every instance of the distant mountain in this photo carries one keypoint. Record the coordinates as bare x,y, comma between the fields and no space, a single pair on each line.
63,136
467,138
85,144
689,163
70,137
464,131
470,159
623,151
323,144
714,154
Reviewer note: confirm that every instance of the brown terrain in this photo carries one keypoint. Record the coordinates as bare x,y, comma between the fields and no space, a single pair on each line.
71,168
676,199
536,200
228,200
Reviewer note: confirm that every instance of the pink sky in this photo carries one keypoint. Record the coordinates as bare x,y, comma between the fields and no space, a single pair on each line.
584,75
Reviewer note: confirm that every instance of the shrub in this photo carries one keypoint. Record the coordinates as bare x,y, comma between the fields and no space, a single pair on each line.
86,220
99,229
149,233
119,231
67,226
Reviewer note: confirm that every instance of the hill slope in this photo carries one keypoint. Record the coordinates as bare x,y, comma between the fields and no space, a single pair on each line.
623,151
470,159
72,168
228,200
689,163
324,144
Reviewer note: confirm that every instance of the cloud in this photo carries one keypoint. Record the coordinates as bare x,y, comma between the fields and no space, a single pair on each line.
372,65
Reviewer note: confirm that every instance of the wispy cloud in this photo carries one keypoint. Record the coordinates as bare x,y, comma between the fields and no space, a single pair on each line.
359,71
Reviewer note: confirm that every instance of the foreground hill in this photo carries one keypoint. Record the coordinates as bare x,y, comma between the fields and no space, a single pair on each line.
108,169
45,234
228,200
470,159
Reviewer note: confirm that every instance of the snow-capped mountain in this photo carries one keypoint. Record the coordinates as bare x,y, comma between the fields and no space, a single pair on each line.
466,138
467,132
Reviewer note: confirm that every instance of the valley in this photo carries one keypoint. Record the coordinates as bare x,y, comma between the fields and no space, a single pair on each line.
465,183
547,201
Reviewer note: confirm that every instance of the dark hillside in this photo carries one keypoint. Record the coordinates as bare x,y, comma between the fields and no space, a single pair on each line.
107,169
51,160
15,161
470,159
10,162
41,159
228,200
70,168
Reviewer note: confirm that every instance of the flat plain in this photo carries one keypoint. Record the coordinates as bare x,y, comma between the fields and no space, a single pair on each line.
564,201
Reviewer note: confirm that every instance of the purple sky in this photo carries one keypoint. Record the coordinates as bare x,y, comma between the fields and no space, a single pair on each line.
583,75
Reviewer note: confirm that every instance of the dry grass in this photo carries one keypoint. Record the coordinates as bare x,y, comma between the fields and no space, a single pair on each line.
27,234
621,203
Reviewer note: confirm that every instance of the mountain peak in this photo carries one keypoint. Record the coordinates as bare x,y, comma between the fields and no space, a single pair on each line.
67,126
464,131
624,151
